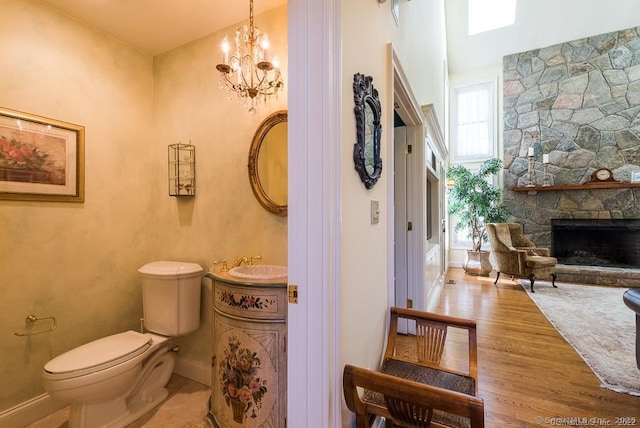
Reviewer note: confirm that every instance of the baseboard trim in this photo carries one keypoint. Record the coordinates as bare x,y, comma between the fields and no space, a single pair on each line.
30,411
194,370
43,405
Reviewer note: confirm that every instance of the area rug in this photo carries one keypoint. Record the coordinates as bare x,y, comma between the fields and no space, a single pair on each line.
599,326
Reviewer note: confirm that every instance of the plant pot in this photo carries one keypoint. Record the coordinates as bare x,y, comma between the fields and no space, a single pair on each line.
477,263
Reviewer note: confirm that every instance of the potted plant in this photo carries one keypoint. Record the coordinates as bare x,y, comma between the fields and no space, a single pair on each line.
476,202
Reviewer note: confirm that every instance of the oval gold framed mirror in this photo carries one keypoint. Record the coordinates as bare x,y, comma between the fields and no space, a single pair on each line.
268,163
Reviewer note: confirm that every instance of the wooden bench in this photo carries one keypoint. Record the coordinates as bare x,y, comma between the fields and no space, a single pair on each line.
412,389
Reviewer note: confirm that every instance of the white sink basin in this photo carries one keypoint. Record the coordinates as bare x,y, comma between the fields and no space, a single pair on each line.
259,271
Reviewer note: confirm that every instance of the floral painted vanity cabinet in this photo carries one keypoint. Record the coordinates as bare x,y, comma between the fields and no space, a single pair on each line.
249,364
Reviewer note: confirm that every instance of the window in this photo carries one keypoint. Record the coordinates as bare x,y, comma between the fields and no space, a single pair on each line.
473,135
473,122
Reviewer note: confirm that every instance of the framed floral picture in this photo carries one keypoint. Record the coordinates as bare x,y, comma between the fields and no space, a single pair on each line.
41,159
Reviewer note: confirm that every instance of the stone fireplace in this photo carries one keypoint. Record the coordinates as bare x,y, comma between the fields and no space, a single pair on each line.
579,103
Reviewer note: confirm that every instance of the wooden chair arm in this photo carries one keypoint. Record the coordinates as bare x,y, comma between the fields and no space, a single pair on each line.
408,391
351,396
446,319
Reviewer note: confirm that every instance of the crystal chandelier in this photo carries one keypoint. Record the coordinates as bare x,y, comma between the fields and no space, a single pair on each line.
248,72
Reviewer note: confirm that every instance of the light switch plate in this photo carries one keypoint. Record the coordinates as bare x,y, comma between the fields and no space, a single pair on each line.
375,212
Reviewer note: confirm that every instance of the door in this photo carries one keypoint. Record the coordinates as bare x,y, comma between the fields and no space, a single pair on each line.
401,251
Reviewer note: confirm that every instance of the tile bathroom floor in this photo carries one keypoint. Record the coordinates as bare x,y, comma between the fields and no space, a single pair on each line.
185,407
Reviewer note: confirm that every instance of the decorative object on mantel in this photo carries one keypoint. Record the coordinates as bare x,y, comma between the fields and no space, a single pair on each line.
476,202
602,175
545,171
366,150
248,72
531,174
182,169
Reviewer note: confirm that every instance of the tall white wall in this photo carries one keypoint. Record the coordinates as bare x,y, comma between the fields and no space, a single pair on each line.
368,27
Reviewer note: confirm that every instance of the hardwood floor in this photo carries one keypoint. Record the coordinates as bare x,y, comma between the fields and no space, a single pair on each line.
526,369
529,376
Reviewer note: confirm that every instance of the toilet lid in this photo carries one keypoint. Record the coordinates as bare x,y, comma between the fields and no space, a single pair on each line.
100,354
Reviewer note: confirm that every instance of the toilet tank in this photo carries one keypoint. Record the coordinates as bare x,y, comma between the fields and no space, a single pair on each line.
171,297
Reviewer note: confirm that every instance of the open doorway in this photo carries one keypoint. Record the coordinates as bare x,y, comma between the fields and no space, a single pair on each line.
418,185
409,186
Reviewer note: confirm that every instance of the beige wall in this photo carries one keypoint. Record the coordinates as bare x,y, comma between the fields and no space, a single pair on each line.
367,28
224,220
78,262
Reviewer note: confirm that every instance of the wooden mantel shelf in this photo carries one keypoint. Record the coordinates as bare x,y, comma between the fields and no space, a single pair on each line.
585,186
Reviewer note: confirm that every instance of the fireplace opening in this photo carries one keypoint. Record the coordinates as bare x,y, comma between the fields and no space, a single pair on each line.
585,242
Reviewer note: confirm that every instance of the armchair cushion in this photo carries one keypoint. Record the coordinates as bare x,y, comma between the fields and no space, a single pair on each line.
535,262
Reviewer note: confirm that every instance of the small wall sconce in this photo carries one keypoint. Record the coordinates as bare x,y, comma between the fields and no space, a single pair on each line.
450,183
182,169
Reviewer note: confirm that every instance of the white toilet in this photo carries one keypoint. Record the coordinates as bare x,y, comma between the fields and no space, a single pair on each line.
113,381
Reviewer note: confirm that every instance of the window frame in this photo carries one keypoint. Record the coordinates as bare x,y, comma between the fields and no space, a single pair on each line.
457,241
492,131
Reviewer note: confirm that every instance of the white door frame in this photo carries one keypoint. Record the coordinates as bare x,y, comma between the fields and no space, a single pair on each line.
314,396
409,110
400,245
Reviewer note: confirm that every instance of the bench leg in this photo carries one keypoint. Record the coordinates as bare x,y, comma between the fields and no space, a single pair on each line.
532,278
497,276
553,280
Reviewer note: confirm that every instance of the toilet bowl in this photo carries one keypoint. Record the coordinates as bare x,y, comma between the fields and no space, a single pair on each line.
112,381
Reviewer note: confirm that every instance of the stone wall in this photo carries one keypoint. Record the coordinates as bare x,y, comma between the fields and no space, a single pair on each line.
579,102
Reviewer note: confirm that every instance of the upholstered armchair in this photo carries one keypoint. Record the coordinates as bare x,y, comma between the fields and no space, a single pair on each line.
517,255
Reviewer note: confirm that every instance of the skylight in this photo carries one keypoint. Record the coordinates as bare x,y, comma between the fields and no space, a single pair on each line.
486,15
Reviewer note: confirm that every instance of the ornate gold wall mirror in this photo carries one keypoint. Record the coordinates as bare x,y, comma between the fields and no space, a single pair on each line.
268,163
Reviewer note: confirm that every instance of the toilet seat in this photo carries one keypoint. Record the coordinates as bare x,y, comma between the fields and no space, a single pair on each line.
98,355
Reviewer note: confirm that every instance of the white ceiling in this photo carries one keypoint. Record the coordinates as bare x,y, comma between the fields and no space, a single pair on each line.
157,26
538,23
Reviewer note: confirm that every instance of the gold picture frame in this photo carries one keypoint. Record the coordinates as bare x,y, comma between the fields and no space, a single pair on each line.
41,159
